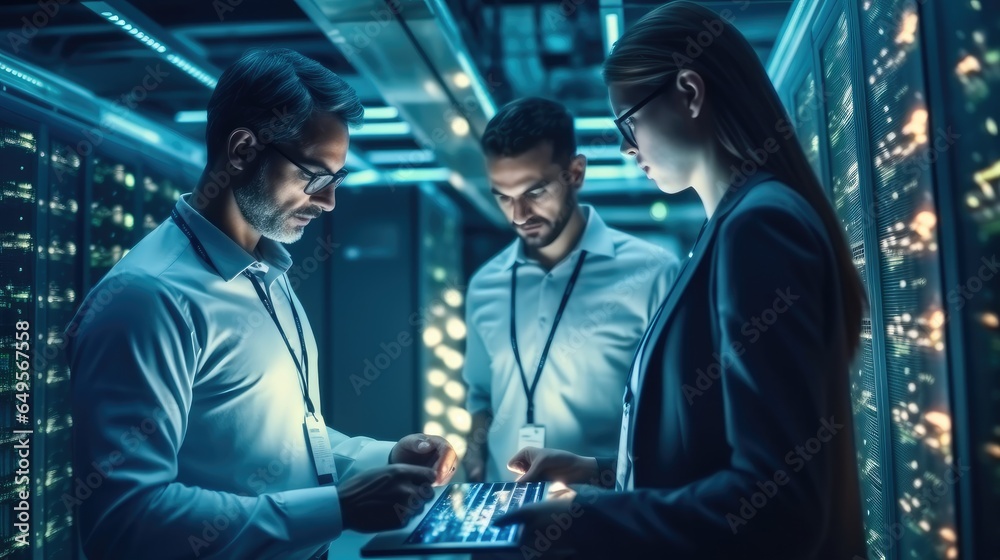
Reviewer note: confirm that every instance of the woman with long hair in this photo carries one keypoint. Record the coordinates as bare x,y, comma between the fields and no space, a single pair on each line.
737,438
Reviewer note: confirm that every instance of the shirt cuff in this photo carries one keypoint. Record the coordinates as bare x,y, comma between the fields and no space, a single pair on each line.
373,455
607,471
314,514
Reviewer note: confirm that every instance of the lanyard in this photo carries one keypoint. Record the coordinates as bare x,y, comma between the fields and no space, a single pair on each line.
303,371
530,391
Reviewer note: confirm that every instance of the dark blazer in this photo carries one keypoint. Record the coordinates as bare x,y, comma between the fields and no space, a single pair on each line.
743,444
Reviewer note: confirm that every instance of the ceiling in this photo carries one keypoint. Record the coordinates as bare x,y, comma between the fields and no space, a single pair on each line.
515,48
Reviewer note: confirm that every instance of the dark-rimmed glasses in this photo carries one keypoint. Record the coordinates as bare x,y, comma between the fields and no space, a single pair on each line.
317,181
623,122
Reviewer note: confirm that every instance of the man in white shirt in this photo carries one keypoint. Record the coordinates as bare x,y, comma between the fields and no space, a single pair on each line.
197,421
578,292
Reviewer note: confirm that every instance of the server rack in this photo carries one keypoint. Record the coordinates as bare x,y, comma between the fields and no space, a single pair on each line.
19,139
68,214
963,65
888,89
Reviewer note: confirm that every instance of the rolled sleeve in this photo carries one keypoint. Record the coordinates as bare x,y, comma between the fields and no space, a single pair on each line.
356,454
132,392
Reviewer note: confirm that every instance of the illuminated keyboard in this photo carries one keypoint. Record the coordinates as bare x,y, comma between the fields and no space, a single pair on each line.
464,513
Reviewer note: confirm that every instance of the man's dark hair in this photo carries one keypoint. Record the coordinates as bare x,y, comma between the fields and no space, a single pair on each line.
525,123
274,93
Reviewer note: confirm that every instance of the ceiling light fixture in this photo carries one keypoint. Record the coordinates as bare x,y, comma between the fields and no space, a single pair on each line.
131,21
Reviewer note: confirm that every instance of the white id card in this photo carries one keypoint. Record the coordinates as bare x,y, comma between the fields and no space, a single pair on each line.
319,445
531,435
621,474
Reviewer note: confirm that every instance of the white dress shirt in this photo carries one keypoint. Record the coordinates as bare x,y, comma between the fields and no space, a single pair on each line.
579,395
188,410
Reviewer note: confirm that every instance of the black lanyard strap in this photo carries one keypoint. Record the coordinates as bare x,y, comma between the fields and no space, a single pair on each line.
303,371
530,391
301,367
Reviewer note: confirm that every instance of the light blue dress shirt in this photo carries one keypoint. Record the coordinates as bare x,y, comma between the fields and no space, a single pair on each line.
579,396
188,411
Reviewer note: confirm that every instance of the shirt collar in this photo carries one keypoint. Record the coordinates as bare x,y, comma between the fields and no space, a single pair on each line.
229,258
596,240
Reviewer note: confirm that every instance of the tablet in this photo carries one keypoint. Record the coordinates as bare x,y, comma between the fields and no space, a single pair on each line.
460,520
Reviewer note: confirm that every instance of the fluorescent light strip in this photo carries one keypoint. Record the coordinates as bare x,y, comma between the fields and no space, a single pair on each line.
372,177
112,120
382,129
392,157
191,116
594,123
381,113
612,172
134,31
192,70
153,43
612,31
362,178
432,174
18,74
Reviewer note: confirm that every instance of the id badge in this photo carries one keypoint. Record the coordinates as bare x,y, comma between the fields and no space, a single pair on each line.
319,445
621,473
531,435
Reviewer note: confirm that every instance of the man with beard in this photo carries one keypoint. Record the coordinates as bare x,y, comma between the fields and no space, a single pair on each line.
197,422
578,293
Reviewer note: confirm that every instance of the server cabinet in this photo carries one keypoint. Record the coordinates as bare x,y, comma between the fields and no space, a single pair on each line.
963,61
20,333
113,207
840,140
904,215
67,211
60,263
897,81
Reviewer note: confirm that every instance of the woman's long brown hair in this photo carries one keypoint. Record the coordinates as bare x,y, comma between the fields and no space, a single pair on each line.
748,114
